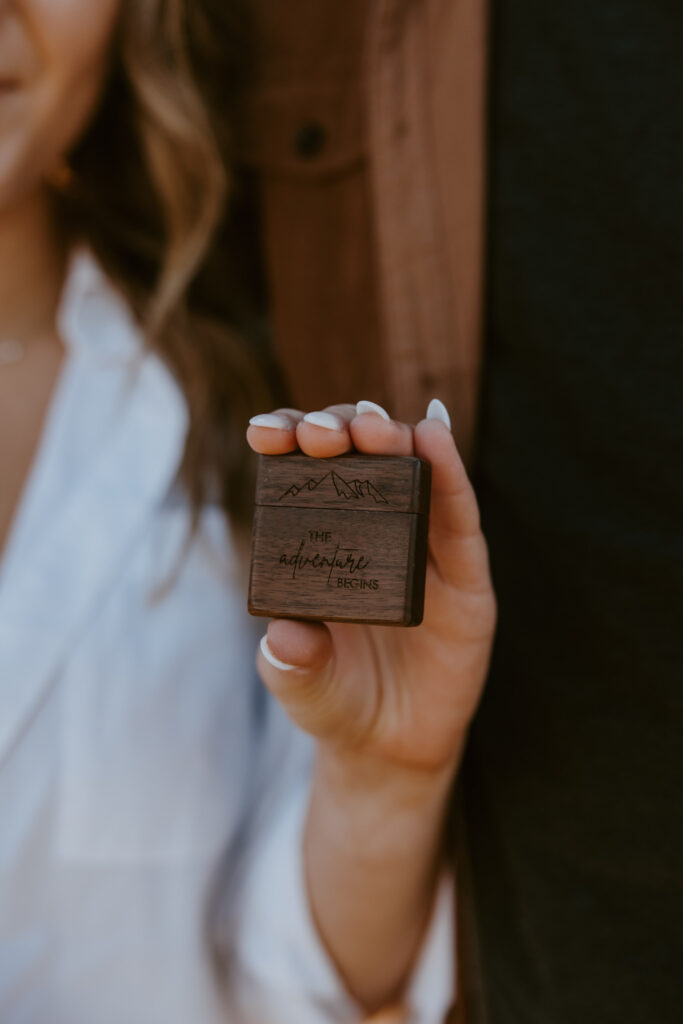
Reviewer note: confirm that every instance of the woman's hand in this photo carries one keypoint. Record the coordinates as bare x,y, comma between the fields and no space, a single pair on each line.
390,707
403,697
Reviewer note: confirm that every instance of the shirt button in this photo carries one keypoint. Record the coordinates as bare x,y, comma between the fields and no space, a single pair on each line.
310,140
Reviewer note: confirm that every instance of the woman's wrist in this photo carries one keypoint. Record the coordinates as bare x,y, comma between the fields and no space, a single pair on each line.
373,852
382,804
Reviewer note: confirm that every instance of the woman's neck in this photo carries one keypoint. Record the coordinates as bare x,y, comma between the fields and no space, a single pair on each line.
32,258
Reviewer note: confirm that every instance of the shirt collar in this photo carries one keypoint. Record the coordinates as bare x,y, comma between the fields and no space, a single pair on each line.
93,317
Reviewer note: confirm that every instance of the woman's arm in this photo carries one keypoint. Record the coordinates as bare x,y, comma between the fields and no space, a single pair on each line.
390,708
372,851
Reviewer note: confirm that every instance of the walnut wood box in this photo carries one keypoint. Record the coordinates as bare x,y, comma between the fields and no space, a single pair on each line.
342,539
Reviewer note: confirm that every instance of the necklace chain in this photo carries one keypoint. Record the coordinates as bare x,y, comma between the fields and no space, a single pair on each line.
11,352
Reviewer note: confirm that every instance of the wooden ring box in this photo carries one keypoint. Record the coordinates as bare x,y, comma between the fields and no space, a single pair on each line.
341,539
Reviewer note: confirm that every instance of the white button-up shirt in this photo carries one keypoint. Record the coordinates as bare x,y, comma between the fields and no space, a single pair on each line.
151,793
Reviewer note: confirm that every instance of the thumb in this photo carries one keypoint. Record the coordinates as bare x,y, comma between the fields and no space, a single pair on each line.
297,664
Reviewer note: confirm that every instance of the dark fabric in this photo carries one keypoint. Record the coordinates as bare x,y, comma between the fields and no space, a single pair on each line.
573,779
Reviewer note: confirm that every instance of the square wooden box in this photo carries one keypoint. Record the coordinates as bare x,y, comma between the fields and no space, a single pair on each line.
342,539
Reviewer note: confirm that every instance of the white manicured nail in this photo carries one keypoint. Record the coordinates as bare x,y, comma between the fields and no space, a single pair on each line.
438,411
269,656
328,420
363,406
273,420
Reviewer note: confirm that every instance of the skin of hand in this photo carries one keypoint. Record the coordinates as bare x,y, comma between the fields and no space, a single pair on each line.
404,696
390,708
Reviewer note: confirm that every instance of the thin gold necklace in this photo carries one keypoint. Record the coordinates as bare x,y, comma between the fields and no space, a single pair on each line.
11,352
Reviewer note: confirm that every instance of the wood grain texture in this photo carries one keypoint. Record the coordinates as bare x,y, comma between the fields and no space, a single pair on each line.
340,539
376,482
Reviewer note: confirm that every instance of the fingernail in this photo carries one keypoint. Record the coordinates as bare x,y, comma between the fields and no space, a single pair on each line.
328,420
436,410
362,407
272,420
269,656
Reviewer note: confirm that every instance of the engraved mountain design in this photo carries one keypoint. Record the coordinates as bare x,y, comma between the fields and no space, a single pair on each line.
348,489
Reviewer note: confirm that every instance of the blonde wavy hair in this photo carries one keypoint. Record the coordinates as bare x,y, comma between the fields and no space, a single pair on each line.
148,190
